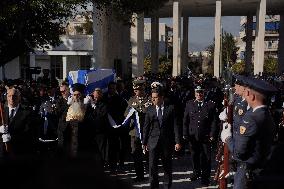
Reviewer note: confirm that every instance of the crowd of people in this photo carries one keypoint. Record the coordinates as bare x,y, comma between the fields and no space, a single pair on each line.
147,118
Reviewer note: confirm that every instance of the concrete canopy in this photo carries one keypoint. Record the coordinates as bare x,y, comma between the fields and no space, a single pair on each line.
206,8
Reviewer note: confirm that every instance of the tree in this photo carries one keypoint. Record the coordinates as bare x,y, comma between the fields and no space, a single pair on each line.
270,66
165,65
229,50
26,25
147,65
239,67
29,24
88,26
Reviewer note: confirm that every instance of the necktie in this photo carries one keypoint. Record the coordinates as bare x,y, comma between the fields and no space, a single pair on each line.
11,114
160,115
199,105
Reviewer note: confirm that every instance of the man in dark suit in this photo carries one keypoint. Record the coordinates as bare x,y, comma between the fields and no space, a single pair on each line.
98,126
199,128
160,133
19,136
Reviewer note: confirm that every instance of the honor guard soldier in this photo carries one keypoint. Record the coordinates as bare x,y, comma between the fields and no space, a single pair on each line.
240,104
199,128
251,145
140,101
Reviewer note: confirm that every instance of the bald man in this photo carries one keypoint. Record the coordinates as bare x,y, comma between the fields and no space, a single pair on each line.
20,133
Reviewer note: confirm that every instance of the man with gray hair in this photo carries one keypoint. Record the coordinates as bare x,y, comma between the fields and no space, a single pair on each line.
19,130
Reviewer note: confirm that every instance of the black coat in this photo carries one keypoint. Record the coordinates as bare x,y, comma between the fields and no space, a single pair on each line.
167,134
200,124
23,129
97,118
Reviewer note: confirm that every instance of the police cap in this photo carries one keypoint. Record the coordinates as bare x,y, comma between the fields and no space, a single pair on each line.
240,80
261,86
199,89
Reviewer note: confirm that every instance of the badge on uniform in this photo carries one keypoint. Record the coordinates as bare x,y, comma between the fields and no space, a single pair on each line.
242,130
241,112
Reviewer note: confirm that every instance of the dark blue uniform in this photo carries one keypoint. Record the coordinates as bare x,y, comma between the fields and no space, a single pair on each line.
199,125
240,108
251,143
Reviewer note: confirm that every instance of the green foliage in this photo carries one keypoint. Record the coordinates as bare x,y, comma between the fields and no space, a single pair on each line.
229,49
239,67
88,26
123,9
29,24
79,29
165,65
147,65
270,66
26,25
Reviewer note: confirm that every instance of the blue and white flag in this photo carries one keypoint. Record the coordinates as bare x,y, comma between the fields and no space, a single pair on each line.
98,78
126,121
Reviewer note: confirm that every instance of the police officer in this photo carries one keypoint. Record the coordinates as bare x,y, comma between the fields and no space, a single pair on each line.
251,145
199,127
140,101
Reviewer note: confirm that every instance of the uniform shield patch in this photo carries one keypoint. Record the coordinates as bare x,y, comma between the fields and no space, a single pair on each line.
242,130
241,112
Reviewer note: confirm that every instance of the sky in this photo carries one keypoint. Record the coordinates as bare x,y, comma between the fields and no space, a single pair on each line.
201,30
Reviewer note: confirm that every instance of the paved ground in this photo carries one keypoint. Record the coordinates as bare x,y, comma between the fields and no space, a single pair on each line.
181,171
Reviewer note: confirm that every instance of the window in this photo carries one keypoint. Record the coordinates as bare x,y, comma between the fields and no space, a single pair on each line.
56,67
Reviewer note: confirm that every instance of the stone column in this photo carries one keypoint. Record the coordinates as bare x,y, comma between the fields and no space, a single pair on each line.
176,38
217,49
259,37
137,43
97,37
32,60
281,46
154,44
185,44
64,66
248,53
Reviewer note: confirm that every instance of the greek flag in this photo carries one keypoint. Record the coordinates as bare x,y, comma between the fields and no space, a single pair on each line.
97,78
127,120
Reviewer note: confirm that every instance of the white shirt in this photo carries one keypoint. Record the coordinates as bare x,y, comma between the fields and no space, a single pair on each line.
162,108
261,106
15,110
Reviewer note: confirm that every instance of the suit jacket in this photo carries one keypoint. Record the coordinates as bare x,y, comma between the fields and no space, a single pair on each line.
23,128
167,133
200,124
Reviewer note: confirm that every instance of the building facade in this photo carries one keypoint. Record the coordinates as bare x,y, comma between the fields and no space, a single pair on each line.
271,38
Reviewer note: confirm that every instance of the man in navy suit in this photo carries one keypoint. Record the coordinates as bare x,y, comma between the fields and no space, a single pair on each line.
160,137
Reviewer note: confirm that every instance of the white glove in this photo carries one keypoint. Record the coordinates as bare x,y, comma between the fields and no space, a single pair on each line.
87,100
226,132
3,129
6,137
223,115
69,100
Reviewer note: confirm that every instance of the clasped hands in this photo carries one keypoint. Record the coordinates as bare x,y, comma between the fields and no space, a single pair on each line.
6,137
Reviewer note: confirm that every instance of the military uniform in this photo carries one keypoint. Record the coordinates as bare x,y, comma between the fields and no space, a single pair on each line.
199,127
251,144
140,104
240,109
